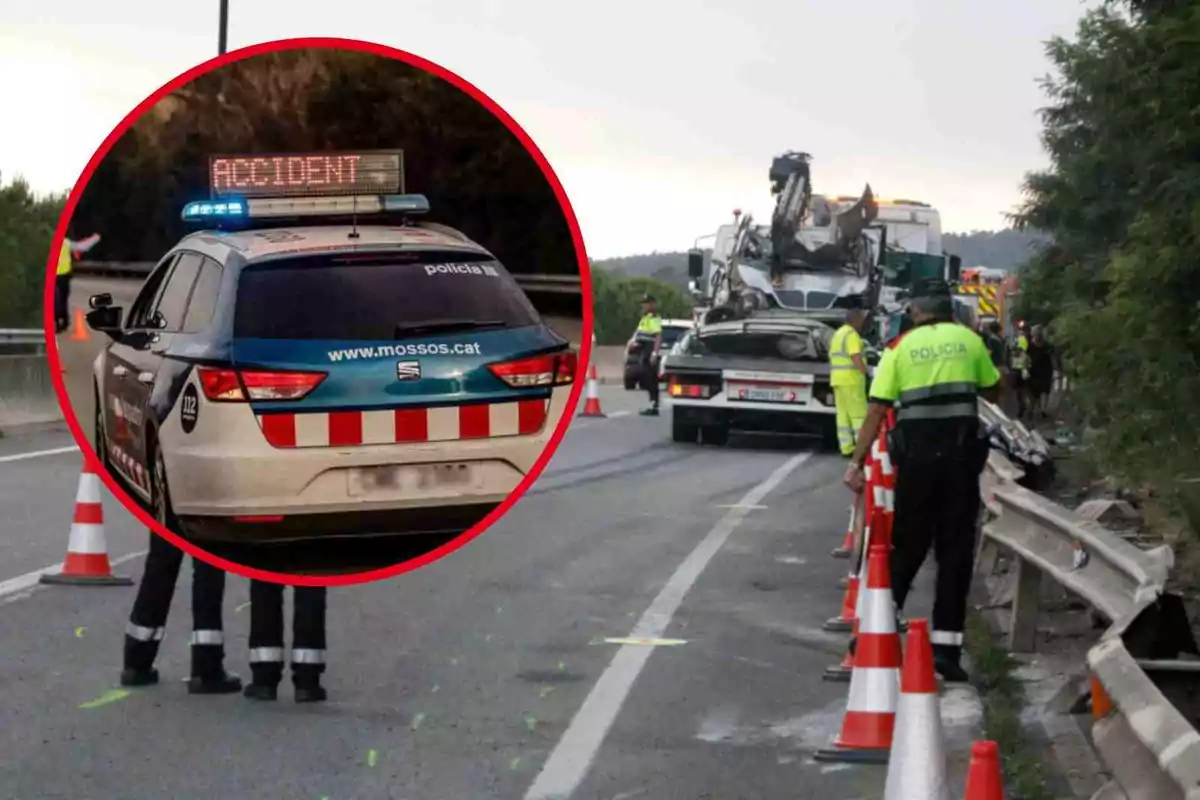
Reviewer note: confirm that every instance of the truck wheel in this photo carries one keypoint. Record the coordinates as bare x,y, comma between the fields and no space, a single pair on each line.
715,435
683,431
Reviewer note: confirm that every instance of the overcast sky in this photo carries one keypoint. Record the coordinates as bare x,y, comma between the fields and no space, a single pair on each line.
659,116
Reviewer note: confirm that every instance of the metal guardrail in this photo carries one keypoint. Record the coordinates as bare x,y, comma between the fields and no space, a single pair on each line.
550,284
34,336
1150,747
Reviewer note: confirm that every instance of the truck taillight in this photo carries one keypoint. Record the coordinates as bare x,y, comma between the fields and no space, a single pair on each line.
676,388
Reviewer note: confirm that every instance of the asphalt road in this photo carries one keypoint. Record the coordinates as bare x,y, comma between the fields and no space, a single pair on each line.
487,674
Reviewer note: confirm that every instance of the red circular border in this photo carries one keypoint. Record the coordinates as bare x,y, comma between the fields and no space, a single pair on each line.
386,52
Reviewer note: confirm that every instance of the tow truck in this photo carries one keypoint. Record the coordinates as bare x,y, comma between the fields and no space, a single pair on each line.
758,358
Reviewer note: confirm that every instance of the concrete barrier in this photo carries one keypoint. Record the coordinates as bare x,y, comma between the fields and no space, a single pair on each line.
26,392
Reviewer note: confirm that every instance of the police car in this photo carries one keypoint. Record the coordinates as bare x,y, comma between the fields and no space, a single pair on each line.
317,362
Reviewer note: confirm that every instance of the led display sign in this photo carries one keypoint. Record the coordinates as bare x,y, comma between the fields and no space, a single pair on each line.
372,172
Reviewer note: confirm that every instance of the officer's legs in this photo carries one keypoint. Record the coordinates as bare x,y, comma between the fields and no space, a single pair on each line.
955,550
208,635
61,301
266,639
914,521
148,619
845,430
650,378
308,642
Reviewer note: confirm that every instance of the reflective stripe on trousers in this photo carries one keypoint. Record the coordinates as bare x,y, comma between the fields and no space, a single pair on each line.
144,634
208,637
948,638
266,655
307,655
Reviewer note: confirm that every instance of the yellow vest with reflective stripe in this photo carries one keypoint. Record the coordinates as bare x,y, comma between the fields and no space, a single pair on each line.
64,258
650,325
845,343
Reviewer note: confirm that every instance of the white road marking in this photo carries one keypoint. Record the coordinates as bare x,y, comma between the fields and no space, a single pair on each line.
39,454
568,763
30,579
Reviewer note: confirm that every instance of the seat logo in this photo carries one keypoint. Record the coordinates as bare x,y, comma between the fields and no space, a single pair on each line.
408,370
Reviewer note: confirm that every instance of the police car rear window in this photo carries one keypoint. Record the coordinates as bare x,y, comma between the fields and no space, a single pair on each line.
364,297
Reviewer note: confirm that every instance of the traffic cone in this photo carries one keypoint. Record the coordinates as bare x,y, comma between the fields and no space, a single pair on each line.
917,767
844,622
847,546
87,554
843,671
80,333
984,781
870,717
591,408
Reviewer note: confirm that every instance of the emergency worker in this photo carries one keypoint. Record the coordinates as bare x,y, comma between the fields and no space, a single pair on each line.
266,641
932,376
648,338
1019,370
147,621
62,278
848,377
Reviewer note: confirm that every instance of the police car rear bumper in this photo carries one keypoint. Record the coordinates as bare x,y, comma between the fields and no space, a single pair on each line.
226,469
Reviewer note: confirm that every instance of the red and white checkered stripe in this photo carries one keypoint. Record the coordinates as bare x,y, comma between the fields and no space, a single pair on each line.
136,472
404,425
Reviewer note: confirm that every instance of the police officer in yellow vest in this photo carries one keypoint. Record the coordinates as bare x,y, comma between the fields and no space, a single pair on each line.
648,338
62,279
932,377
848,377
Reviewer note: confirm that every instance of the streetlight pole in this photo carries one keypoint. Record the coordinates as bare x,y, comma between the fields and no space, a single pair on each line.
223,27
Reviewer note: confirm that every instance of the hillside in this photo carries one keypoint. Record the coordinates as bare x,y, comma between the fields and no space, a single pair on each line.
1004,249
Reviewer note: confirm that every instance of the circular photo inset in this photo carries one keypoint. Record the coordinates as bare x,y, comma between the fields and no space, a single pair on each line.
319,310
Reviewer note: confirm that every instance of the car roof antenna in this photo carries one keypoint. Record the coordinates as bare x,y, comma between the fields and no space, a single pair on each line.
353,218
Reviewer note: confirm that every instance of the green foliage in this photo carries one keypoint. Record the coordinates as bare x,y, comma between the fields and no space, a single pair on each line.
476,174
615,304
1121,282
27,225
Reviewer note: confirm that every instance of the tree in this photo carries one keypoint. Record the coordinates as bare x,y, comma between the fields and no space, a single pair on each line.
1121,281
27,225
615,304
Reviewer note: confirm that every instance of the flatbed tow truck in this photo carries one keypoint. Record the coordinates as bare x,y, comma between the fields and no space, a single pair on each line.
758,359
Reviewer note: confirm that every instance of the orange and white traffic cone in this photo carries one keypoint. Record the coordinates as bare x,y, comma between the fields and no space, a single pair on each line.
917,767
591,407
87,554
870,718
984,780
844,622
843,671
847,547
80,332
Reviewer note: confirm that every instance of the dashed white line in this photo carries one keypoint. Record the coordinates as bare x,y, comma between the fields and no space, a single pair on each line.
30,579
39,454
571,758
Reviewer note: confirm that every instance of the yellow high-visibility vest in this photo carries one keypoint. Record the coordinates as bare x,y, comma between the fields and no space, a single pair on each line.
64,258
845,344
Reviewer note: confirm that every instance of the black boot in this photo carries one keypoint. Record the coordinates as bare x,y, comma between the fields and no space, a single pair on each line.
219,683
136,676
306,678
652,411
264,681
946,663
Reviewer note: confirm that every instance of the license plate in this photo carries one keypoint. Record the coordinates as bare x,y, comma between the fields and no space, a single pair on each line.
414,479
794,394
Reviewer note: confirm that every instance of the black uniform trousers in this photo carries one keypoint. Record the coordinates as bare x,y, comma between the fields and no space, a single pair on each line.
650,375
937,503
62,297
147,621
266,633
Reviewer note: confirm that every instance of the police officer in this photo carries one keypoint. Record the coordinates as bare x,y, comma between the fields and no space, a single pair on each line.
932,376
848,377
649,338
62,278
266,641
147,622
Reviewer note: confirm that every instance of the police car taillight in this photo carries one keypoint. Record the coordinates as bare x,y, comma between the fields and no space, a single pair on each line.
549,370
234,386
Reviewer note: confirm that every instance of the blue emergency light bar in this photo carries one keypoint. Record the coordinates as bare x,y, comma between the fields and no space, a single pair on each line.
214,212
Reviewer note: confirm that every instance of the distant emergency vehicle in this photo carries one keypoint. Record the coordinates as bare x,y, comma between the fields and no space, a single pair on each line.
315,362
